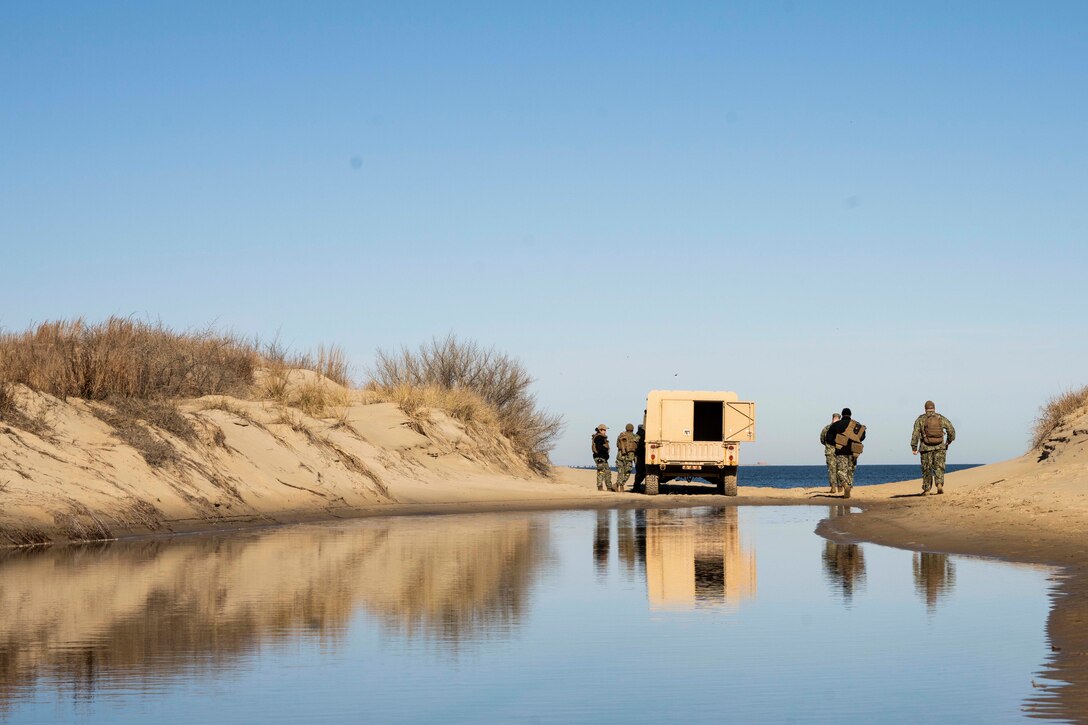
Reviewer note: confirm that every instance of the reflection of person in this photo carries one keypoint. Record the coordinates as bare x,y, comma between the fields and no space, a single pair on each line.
929,439
640,457
626,538
829,455
600,541
626,443
600,457
934,575
846,454
845,566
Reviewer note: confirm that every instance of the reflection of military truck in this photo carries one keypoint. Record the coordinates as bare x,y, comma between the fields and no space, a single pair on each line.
696,434
694,558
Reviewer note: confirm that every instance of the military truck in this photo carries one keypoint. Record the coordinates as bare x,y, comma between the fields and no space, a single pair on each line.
696,434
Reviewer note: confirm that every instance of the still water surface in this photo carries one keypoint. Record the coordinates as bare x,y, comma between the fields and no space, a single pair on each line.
735,614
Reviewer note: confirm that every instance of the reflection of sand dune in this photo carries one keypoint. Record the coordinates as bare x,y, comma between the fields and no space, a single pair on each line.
696,559
163,608
449,581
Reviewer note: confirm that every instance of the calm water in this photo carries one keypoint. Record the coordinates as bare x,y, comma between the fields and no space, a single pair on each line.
704,614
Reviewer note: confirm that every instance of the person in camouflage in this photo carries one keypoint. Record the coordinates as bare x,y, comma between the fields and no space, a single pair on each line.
932,435
845,459
600,457
829,455
626,444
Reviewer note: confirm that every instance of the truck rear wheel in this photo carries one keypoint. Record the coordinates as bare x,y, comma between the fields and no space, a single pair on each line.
729,484
650,484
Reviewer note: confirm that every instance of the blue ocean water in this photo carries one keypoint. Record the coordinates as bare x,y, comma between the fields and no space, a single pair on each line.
816,476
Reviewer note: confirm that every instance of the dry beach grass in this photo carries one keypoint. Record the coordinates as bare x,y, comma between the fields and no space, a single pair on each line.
138,371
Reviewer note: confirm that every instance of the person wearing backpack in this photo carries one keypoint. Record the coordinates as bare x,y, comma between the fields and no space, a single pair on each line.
829,455
600,457
626,445
846,435
932,435
640,458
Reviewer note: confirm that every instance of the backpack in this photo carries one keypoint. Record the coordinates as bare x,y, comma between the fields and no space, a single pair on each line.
932,430
627,442
850,438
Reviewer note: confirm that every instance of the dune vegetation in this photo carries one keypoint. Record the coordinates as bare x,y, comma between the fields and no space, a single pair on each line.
473,384
1055,412
135,372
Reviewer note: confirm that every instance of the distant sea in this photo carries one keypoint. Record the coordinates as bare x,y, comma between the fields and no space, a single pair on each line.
816,476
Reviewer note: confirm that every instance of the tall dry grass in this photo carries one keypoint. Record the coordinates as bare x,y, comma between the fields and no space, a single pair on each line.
125,358
313,397
1054,413
121,360
452,367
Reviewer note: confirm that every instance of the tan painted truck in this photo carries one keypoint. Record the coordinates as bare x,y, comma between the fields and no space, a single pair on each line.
696,434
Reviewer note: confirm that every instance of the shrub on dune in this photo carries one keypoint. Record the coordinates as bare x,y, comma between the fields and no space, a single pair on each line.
1055,412
498,384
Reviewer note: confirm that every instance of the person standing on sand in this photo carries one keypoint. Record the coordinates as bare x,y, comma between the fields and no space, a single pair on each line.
846,435
640,457
626,444
929,439
829,455
600,457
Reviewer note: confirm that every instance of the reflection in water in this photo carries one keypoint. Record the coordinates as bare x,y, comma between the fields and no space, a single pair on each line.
627,539
934,576
135,611
600,541
844,564
694,558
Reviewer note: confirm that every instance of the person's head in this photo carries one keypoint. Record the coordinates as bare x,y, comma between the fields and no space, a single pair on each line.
834,417
641,427
930,405
845,412
630,428
602,429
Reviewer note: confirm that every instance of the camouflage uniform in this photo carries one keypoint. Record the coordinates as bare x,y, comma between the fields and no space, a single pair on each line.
845,460
604,474
624,461
640,458
829,457
933,454
844,472
600,457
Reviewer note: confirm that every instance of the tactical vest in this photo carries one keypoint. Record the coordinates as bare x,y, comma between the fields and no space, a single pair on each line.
593,446
626,443
932,430
851,438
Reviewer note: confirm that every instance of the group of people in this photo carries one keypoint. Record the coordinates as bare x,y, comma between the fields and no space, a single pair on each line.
842,440
630,453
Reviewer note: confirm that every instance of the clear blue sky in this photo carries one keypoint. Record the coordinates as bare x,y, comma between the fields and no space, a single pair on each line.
813,204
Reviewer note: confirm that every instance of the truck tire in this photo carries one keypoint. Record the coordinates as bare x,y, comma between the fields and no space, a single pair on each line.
650,484
729,485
